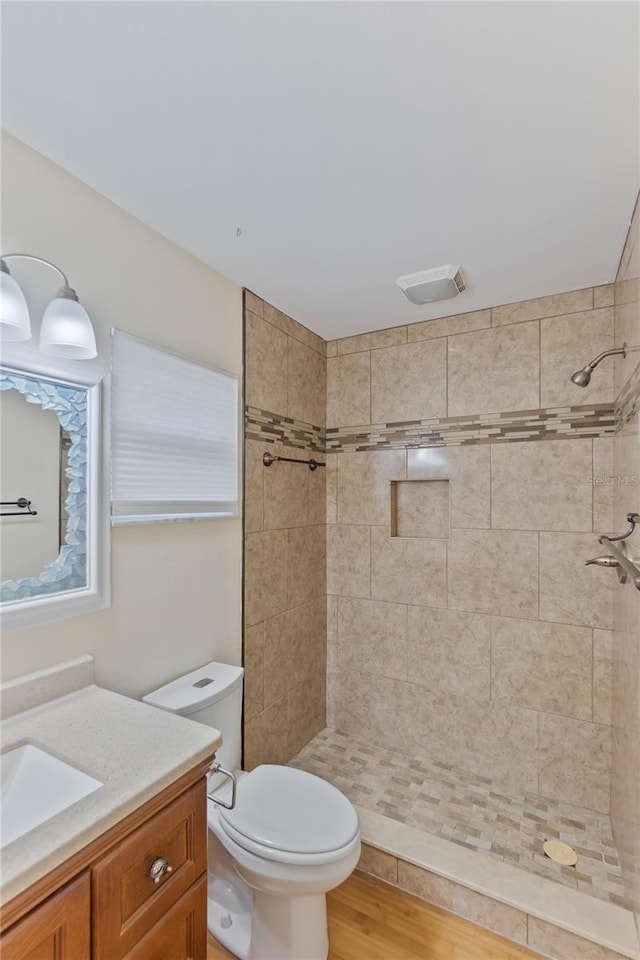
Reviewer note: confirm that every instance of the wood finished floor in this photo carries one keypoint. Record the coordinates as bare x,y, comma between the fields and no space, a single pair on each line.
370,920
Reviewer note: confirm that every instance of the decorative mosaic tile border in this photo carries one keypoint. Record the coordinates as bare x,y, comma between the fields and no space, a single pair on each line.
628,403
596,420
272,428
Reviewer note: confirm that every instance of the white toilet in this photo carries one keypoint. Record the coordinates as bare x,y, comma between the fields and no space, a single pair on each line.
289,839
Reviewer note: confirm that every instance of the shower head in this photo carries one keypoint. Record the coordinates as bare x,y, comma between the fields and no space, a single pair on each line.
582,377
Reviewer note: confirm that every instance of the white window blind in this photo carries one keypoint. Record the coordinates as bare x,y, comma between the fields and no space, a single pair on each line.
174,435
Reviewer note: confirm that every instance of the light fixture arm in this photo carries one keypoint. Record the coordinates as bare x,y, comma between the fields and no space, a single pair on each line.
29,256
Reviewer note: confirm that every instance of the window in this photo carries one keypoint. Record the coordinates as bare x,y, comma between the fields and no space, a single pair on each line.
174,435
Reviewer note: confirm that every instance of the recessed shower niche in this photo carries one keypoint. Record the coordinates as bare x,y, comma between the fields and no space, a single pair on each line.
420,509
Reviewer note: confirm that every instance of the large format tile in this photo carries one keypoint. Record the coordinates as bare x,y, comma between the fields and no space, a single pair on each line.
408,570
348,561
266,736
553,306
318,493
568,343
307,712
496,738
265,579
306,384
379,864
363,485
372,637
468,470
408,382
560,944
570,591
493,571
448,326
541,485
348,390
603,486
494,370
265,366
575,761
307,564
602,676
372,341
544,666
450,651
331,482
253,659
286,493
253,486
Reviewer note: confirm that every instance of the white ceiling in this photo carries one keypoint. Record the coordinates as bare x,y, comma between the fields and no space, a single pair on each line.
350,142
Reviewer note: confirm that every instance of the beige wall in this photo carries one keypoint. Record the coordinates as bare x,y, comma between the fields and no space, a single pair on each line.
478,636
285,536
625,800
29,467
175,587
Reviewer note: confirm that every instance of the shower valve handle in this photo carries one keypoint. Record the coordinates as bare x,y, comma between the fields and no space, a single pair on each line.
605,561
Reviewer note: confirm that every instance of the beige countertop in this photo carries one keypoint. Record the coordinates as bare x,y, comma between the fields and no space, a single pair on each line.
134,749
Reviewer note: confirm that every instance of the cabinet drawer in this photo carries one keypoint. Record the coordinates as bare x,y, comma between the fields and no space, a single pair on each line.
182,933
126,902
56,930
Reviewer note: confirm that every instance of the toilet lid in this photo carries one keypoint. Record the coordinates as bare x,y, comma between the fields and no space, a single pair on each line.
290,810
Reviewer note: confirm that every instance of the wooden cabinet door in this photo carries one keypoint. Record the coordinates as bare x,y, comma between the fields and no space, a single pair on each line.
182,932
59,929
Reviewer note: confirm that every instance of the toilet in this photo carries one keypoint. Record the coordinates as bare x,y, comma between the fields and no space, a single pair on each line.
289,839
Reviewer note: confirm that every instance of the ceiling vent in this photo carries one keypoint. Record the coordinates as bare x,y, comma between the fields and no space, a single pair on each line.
441,283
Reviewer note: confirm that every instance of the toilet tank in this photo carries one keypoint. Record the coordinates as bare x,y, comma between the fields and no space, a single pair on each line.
212,695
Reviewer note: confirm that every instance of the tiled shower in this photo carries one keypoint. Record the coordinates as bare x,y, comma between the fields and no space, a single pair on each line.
420,626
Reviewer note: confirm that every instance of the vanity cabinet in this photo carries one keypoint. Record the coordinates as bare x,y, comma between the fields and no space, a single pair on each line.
138,892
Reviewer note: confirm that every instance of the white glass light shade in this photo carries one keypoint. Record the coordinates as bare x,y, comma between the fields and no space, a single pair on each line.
14,312
66,331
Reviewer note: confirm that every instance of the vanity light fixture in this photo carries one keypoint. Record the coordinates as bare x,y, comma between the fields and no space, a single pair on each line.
66,329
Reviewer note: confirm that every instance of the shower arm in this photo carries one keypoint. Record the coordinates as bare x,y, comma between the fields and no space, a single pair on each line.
616,351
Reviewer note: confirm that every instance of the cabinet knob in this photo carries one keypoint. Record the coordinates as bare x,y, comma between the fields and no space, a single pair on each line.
158,869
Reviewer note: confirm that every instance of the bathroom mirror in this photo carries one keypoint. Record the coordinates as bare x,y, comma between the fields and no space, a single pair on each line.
51,559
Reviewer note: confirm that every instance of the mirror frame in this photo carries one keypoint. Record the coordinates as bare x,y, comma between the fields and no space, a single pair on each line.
32,610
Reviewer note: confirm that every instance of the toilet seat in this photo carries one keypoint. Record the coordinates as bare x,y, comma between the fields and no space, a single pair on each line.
290,816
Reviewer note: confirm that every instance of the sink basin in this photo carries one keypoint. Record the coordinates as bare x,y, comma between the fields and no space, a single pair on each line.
35,787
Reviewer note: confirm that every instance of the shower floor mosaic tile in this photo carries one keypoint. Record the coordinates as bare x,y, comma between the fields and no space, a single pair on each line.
470,810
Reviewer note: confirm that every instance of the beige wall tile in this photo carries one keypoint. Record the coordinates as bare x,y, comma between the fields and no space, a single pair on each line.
348,561
568,343
544,666
348,390
265,566
317,343
486,912
332,348
469,472
331,481
448,326
286,324
554,942
603,491
307,712
266,736
294,648
307,564
318,492
493,738
627,330
571,592
409,382
253,304
603,295
265,349
286,493
369,341
542,485
450,651
494,370
493,571
363,484
407,571
421,508
575,762
332,634
553,306
372,637
253,659
377,863
306,384
602,676
253,486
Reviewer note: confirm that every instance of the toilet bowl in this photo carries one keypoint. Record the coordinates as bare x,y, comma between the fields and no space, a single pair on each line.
290,838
